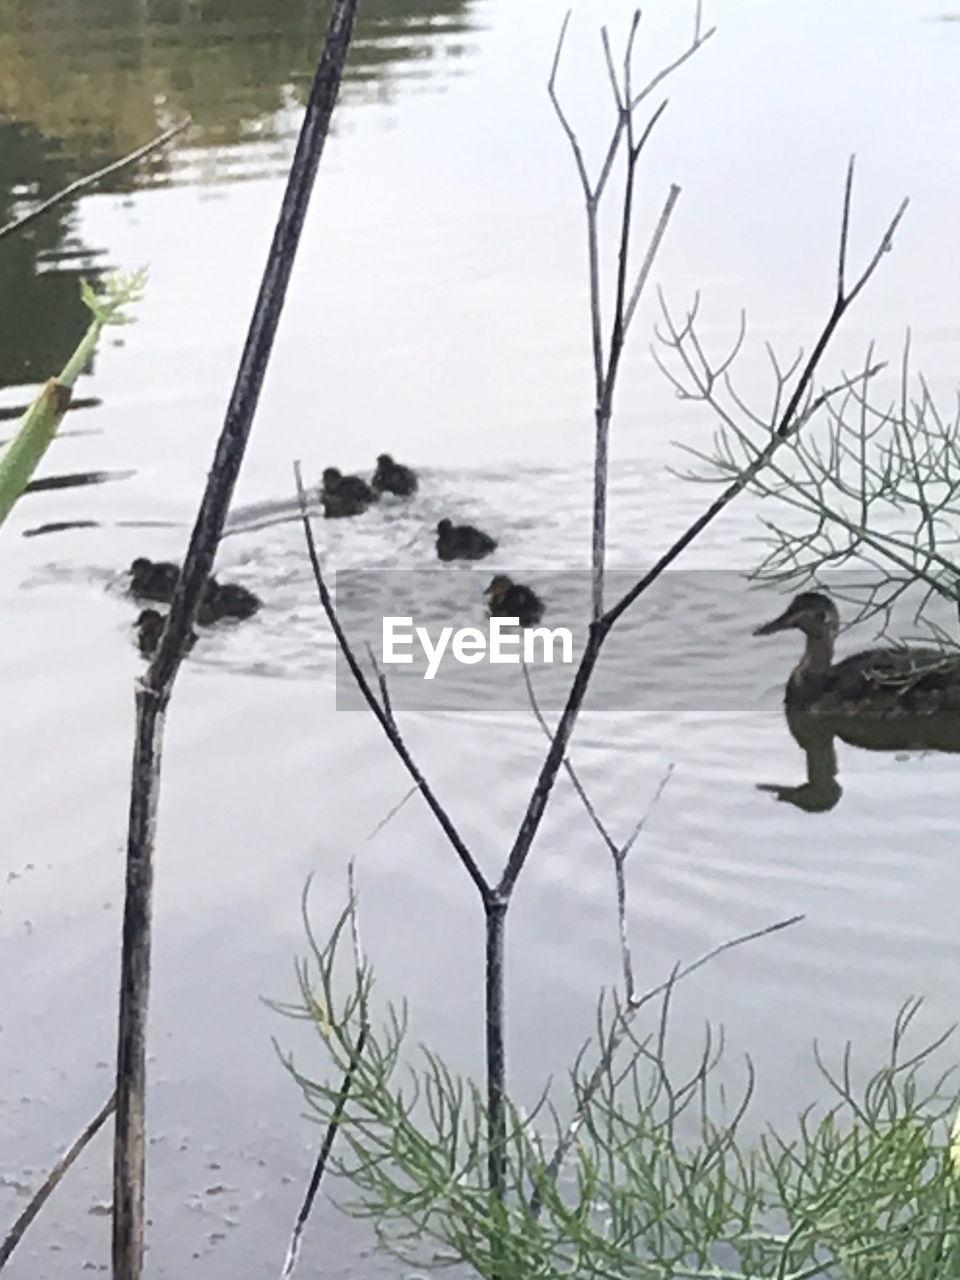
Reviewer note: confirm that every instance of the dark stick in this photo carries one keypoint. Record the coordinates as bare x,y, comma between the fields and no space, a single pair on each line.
41,1196
156,686
323,1156
384,713
92,179
496,912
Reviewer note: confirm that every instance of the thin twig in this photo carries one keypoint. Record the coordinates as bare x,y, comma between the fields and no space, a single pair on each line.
617,852
40,1197
82,184
333,1126
644,273
383,716
155,688
617,1035
783,428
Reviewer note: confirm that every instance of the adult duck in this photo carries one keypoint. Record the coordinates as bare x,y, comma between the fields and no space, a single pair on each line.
393,477
462,542
877,683
342,495
509,599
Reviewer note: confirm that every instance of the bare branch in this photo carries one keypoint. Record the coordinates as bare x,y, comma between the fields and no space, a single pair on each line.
384,719
646,267
787,424
155,688
42,1194
698,43
333,1126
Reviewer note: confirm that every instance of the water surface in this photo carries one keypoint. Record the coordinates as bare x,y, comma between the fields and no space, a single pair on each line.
438,311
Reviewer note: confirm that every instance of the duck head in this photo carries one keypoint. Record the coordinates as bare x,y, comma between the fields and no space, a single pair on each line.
149,626
499,586
444,527
384,460
810,612
331,478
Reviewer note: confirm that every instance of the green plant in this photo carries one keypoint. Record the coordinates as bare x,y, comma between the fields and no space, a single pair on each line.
661,1185
39,424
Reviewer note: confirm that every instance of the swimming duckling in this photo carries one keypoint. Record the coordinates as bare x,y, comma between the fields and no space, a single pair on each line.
345,495
462,542
875,683
153,579
150,626
393,477
229,600
150,580
509,599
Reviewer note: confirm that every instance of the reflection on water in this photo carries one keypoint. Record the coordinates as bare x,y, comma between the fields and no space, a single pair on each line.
124,70
76,480
816,735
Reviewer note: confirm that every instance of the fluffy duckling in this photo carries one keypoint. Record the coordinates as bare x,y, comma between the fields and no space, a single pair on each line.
393,477
229,600
150,626
153,579
150,580
509,599
462,542
345,495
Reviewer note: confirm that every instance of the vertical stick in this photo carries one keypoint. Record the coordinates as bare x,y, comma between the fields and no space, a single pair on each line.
129,1139
155,689
496,913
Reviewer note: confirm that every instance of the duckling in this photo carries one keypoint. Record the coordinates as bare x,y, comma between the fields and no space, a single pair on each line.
228,600
874,683
153,579
345,495
393,477
462,542
509,599
150,626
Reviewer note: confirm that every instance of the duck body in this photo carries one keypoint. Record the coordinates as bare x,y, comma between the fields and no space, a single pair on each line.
874,684
342,495
393,477
509,599
462,542
229,600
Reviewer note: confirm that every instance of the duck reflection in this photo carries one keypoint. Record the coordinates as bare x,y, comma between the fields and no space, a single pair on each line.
816,736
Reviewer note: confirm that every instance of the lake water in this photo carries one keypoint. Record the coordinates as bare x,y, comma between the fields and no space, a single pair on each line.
438,311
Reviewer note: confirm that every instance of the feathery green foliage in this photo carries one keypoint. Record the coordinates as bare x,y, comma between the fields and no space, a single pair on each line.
657,1186
869,486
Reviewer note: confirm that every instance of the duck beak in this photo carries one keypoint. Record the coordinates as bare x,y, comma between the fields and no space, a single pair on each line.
786,620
